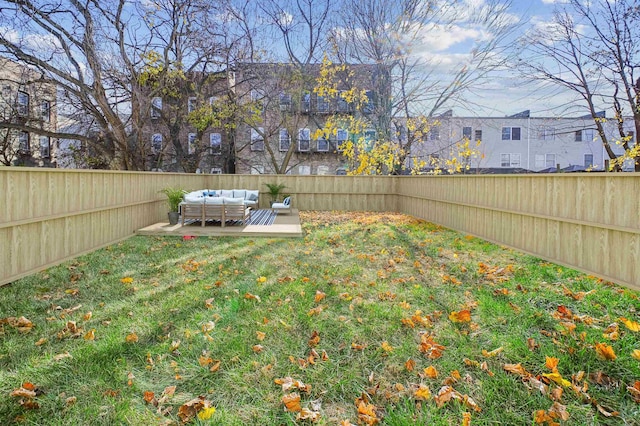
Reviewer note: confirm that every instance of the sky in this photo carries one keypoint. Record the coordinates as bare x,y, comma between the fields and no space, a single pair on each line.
508,92
505,93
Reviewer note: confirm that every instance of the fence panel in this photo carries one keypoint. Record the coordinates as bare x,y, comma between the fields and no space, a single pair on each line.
586,221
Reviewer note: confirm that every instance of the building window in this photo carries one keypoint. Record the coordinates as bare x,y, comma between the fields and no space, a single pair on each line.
156,107
343,105
306,102
257,169
466,132
550,160
156,142
304,170
434,134
323,170
285,102
341,136
547,133
322,104
285,140
586,135
192,143
509,160
370,104
191,104
478,135
216,171
322,144
304,140
588,161
511,133
257,97
215,143
23,142
631,136
23,103
539,161
45,111
369,139
257,139
45,146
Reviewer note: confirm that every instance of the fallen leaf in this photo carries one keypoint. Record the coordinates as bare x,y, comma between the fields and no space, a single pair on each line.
516,369
466,419
461,316
306,414
422,393
62,356
552,363
319,296
410,364
126,280
257,348
42,341
90,335
292,402
605,351
492,353
367,414
131,338
635,353
557,378
386,347
631,325
431,372
260,335
189,410
314,339
635,391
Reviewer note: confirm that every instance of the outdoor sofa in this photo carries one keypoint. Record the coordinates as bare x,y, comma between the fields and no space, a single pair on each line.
219,205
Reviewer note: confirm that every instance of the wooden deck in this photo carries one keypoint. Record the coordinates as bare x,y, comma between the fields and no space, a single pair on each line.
284,226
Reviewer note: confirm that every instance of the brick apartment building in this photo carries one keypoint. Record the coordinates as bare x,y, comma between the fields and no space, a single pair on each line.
27,104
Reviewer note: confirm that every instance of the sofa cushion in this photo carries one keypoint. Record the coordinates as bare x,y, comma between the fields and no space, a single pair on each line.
239,193
215,200
194,197
252,195
234,201
212,193
226,193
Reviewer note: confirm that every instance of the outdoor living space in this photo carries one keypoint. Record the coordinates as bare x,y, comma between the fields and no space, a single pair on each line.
263,223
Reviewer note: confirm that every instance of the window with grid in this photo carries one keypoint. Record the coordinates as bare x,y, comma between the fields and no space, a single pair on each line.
342,104
23,142
215,143
285,102
45,111
370,104
434,134
478,135
304,140
45,146
549,160
304,170
285,140
23,103
192,143
191,104
156,107
511,133
547,133
156,142
588,160
322,144
341,137
509,160
322,104
257,140
466,132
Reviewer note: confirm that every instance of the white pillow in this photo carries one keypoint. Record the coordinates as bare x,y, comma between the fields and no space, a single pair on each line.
252,195
239,193
194,197
215,201
234,201
226,193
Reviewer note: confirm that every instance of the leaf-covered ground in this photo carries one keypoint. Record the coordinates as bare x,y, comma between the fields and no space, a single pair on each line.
370,319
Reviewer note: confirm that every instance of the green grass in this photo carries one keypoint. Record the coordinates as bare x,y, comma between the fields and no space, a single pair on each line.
374,269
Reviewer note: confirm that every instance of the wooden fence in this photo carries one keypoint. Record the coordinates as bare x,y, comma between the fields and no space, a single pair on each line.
587,221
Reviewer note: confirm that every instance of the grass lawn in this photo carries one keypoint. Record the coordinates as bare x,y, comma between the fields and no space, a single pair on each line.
368,319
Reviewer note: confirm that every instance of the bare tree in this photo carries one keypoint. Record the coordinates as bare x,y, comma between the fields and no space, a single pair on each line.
391,34
591,49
